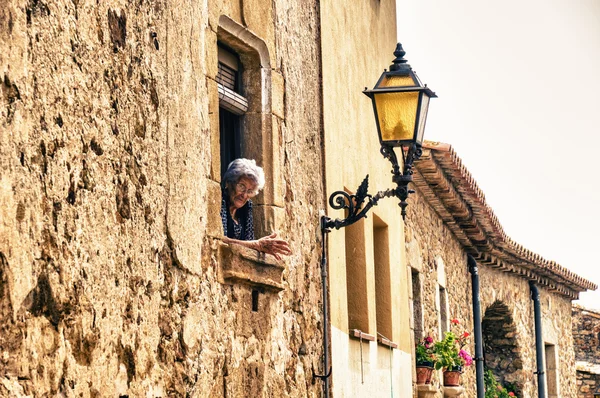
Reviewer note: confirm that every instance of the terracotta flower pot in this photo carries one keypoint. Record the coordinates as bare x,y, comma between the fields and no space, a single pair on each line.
424,374
452,378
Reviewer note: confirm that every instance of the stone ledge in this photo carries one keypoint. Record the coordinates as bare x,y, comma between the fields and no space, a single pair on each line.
587,367
453,391
360,335
427,391
386,342
240,264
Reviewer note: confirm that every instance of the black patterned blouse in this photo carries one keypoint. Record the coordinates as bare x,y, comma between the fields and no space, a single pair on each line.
244,228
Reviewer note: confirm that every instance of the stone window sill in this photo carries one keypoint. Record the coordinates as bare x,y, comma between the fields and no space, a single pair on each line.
240,264
359,334
386,342
450,392
429,390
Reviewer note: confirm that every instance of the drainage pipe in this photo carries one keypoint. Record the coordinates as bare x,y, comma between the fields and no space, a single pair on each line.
539,343
477,325
326,365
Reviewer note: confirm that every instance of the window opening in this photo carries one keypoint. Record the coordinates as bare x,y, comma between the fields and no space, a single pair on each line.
356,277
254,300
443,311
551,373
231,140
232,105
383,296
417,306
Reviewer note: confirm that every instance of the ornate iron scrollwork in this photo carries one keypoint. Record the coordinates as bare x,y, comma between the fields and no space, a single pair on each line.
353,204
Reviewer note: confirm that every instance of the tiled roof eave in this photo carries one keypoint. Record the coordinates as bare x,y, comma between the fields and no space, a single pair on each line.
453,193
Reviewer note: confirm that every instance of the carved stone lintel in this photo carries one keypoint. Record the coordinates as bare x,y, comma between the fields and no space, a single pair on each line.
240,264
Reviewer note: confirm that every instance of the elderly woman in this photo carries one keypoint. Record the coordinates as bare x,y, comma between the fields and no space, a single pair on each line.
241,182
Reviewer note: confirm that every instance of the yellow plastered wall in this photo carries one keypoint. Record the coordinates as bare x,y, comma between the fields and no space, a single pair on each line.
358,41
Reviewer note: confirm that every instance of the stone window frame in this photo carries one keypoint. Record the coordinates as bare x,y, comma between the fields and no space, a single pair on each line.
551,369
259,141
239,264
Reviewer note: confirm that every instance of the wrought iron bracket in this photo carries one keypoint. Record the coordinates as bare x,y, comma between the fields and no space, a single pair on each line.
358,205
322,377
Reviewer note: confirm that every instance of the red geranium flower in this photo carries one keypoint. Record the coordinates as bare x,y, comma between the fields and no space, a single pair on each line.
511,394
455,321
466,334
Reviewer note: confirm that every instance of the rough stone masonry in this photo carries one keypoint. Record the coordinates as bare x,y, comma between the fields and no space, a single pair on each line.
109,274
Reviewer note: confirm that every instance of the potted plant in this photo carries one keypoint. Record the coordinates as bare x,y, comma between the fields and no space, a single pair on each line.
451,357
425,360
493,389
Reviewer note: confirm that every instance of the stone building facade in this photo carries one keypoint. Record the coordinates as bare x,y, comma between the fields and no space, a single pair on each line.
448,218
113,279
117,120
370,334
586,336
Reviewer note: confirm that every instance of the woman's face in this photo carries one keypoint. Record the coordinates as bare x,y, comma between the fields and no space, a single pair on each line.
240,192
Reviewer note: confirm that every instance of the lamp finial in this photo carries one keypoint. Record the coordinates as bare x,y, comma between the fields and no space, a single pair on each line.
399,63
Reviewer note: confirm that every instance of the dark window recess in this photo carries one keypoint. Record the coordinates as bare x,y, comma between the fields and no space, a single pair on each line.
232,106
254,300
231,140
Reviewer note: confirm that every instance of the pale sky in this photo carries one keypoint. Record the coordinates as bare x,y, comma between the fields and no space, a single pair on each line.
518,85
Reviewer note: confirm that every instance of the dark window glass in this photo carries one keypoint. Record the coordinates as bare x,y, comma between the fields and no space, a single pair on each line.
231,147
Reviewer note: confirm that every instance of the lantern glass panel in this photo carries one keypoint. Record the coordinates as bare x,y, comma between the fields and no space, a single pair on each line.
422,117
397,81
397,113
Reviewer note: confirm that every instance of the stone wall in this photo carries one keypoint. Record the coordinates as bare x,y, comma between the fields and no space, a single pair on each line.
507,309
437,256
110,274
586,336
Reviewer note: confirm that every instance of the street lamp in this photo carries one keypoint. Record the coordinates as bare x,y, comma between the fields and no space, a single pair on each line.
400,103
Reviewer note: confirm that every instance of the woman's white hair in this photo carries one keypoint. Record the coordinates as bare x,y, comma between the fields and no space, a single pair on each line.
244,168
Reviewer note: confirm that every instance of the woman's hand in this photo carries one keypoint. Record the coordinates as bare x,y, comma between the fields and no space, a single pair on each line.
270,244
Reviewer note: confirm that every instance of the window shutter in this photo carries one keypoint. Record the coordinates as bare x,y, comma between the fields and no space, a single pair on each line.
229,99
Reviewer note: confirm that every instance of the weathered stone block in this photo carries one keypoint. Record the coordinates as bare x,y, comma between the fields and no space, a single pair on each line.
214,224
242,265
278,94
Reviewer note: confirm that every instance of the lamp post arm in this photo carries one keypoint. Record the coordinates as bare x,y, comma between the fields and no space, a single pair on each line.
353,204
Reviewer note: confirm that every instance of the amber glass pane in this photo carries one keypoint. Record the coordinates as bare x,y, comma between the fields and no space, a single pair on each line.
397,81
397,113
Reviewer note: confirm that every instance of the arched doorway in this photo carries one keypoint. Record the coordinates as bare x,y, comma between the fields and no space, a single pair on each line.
500,351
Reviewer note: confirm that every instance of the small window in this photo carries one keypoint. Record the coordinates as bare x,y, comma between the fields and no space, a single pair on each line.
417,305
356,277
443,311
383,295
551,370
232,106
